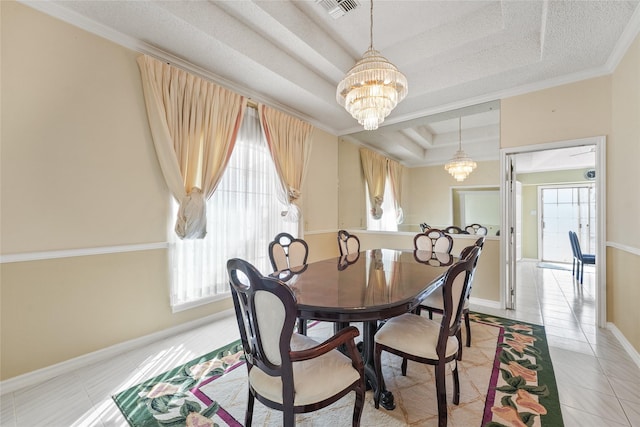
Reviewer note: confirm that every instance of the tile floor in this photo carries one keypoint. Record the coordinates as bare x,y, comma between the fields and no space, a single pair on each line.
599,383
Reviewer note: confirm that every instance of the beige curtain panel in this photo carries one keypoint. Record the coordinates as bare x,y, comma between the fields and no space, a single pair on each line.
374,167
396,170
194,124
289,140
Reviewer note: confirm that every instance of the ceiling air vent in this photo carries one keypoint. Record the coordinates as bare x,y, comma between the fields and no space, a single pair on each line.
337,8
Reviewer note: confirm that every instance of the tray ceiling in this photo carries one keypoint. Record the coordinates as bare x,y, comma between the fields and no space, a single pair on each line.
292,54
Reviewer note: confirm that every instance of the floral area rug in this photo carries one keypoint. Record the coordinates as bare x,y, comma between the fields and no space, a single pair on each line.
506,379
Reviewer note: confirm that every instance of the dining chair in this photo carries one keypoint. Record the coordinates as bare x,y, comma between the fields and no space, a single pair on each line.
580,258
476,229
286,251
574,266
348,243
290,372
423,340
424,227
453,229
434,240
435,304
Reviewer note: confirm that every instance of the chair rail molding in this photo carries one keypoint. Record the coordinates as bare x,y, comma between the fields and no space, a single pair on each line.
70,253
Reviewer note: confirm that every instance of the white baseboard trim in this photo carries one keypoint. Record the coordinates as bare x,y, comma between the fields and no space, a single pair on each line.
485,303
625,343
35,377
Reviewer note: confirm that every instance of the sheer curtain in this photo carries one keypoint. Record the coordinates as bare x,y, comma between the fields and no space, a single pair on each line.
243,216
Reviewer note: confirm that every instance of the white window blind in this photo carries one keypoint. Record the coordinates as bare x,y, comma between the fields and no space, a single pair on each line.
243,216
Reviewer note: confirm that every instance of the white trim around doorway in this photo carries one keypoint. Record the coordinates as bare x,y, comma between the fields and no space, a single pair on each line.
600,144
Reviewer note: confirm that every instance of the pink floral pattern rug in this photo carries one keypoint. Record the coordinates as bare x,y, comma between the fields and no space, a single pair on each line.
506,380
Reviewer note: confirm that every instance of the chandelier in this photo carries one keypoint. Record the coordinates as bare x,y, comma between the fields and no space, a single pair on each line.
372,88
461,165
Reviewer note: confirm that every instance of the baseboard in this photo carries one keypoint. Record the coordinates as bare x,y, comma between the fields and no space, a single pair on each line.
625,343
486,303
44,374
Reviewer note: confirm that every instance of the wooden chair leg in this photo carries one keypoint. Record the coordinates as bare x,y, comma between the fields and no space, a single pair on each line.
248,416
377,362
358,407
403,367
459,337
456,385
289,418
441,393
467,325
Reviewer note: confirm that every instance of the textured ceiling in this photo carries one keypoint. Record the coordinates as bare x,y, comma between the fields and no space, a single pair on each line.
292,54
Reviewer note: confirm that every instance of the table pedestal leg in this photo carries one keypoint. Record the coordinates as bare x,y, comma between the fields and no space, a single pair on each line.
386,397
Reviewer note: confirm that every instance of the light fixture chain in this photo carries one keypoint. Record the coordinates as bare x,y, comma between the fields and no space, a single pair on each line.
371,28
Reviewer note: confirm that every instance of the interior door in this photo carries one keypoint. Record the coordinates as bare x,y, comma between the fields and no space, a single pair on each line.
510,229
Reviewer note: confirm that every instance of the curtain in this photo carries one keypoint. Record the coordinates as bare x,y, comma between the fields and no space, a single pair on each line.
374,167
395,179
289,141
243,217
194,124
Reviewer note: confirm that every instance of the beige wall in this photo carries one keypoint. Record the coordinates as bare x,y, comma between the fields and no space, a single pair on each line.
320,193
352,203
571,111
320,210
427,195
623,198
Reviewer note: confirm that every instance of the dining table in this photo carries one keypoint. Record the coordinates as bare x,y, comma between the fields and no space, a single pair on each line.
369,287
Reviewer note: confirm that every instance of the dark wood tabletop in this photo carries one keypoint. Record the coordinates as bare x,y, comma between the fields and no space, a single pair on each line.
367,287
371,285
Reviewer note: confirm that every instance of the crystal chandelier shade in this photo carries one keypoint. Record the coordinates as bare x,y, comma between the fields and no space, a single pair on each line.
461,165
372,88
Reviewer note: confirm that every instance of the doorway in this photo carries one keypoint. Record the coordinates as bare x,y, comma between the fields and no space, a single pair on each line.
547,165
565,208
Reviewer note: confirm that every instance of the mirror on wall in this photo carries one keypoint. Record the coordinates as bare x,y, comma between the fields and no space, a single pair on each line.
423,145
476,205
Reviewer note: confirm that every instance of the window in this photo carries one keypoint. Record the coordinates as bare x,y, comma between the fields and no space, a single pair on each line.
243,216
388,221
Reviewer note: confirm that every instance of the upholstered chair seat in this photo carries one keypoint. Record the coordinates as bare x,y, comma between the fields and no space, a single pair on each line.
401,332
314,380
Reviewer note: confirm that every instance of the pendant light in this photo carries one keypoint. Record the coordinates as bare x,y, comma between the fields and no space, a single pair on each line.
372,88
461,165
